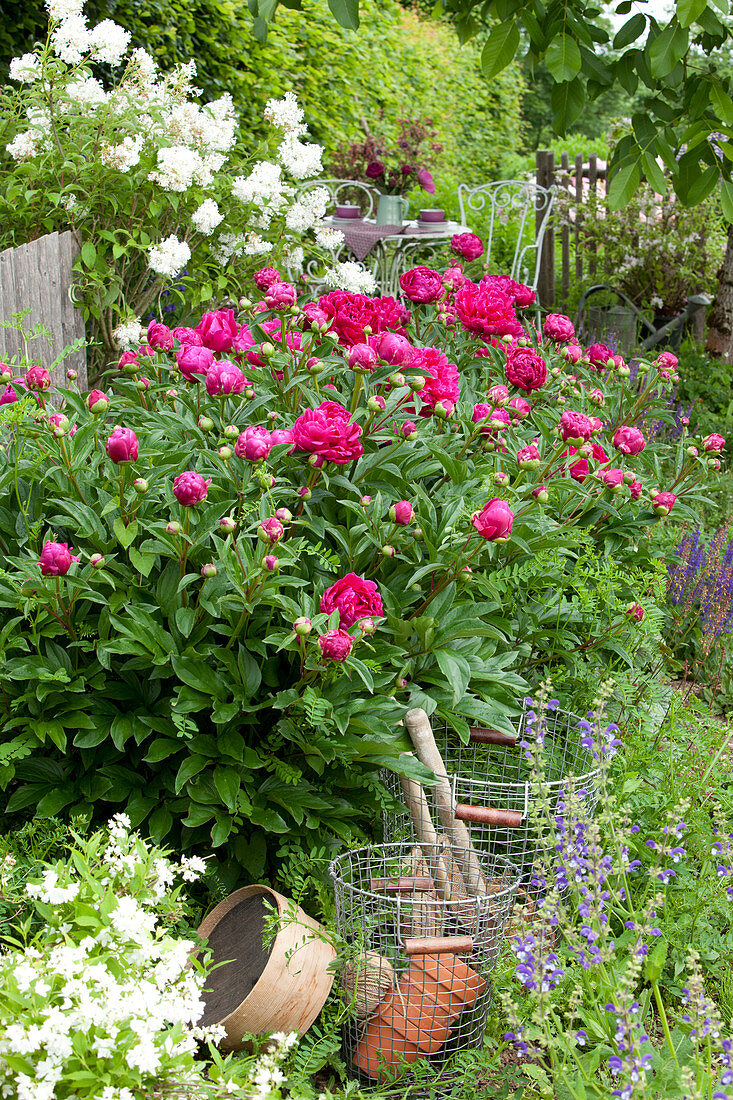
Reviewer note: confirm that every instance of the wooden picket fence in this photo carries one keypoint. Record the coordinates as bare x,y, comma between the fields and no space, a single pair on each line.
581,185
38,276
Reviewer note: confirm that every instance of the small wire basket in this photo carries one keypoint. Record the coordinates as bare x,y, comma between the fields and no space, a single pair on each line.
491,791
423,937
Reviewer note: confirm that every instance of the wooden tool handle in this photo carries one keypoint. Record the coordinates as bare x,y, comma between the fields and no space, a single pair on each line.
438,945
478,736
421,735
489,815
425,833
408,884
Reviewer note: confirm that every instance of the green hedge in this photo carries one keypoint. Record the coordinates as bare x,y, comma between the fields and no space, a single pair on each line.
396,64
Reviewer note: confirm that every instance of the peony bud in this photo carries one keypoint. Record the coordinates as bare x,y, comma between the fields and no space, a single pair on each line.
122,445
267,349
302,626
409,429
376,403
284,515
364,501
401,513
693,452
96,561
231,432
367,626
140,485
388,551
206,424
336,645
314,366
208,571
494,521
174,527
97,402
56,559
397,380
37,379
541,494
254,444
304,492
227,524
270,530
635,611
190,488
270,562
225,452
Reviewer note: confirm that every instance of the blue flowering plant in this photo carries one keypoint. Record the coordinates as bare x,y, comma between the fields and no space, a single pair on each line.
592,1020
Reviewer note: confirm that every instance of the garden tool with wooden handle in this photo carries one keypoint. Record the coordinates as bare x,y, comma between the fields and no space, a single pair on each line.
452,818
417,804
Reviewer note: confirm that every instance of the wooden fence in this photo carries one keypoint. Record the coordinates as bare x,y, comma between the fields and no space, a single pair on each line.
581,185
38,276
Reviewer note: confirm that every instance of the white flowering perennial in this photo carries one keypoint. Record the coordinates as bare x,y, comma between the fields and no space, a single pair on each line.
207,217
351,276
102,1003
169,257
128,335
25,69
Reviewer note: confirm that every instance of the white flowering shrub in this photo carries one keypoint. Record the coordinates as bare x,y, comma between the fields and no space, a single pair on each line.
102,1003
156,186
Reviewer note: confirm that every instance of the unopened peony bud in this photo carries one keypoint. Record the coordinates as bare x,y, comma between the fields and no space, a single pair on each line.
714,463
270,530
541,494
441,411
376,403
206,424
284,515
409,430
367,626
6,376
231,432
142,384
302,626
249,393
693,451
417,383
401,682
401,513
267,349
500,478
635,611
270,562
364,501
96,561
388,551
71,375
304,492
225,452
314,366
140,485
418,534
208,571
624,371
174,527
227,524
397,380
245,303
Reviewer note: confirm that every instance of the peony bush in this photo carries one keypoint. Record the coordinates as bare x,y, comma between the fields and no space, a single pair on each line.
229,573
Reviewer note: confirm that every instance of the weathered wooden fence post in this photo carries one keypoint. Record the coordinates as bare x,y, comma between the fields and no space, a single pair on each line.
38,276
545,174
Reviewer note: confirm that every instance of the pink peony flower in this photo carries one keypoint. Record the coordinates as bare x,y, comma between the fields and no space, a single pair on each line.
635,611
667,360
392,348
663,503
187,336
363,357
628,440
354,598
453,278
467,245
193,360
271,529
612,477
494,521
128,357
480,412
280,295
8,396
573,353
426,180
97,401
599,354
635,488
313,315
525,369
575,427
281,435
486,311
266,276
56,559
351,313
328,432
224,378
255,443
402,513
37,378
519,408
160,336
498,394
713,442
190,488
441,379
122,445
422,284
558,327
218,330
528,457
519,294
336,645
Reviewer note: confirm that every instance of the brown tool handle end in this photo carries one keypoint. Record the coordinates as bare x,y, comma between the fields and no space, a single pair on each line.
439,945
479,736
409,884
489,815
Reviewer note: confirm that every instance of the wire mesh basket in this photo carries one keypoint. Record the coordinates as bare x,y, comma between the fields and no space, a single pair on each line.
423,938
491,791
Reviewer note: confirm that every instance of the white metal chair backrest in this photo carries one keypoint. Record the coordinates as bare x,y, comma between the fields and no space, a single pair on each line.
342,192
521,200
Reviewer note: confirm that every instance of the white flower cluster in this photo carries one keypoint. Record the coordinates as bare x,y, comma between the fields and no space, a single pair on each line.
86,91
308,210
128,335
72,39
124,156
24,146
25,69
328,237
351,276
104,993
169,256
207,217
179,167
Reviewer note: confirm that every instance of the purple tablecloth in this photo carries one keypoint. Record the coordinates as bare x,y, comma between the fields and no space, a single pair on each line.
361,237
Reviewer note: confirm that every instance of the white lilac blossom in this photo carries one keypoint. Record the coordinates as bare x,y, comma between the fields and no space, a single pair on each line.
179,167
213,127
127,336
294,258
285,114
308,210
207,217
169,257
63,9
302,160
86,91
351,276
109,42
142,66
71,40
255,245
261,186
124,156
24,145
328,237
25,69
227,246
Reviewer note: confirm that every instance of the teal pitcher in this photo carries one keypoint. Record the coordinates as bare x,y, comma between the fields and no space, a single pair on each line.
391,210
